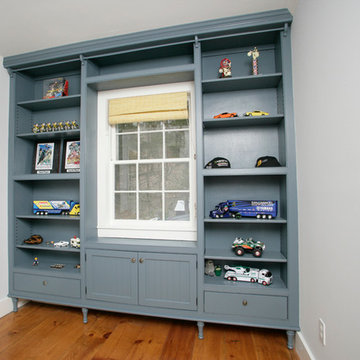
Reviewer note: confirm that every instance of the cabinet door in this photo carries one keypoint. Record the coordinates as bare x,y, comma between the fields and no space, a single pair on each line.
167,280
112,276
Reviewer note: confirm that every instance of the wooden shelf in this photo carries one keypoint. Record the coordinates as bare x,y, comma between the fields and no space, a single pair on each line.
51,135
41,177
243,121
242,83
47,104
228,254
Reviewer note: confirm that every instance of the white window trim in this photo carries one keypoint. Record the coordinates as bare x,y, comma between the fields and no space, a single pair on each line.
107,225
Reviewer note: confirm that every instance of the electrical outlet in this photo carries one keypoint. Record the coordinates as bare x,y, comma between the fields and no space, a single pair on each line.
322,332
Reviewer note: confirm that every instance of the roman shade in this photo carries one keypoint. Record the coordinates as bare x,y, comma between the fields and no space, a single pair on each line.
170,106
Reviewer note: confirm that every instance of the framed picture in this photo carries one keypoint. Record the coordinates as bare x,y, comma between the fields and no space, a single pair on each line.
46,158
72,156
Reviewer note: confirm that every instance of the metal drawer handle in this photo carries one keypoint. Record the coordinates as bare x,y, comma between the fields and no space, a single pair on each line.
244,302
141,260
45,282
133,260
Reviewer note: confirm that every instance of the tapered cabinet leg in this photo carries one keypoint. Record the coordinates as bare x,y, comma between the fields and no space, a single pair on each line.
15,304
200,325
85,315
290,337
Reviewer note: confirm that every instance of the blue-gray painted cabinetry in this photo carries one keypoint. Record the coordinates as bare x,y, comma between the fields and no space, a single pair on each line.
159,277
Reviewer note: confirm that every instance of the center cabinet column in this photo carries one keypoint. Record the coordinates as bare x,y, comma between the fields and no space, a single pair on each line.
199,176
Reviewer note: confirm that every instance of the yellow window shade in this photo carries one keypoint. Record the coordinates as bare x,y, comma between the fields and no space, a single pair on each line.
171,106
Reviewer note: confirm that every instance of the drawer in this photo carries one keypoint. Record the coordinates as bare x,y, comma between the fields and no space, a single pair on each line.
262,306
47,285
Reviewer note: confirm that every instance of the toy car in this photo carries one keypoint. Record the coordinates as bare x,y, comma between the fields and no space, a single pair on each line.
245,273
240,246
256,113
225,115
61,244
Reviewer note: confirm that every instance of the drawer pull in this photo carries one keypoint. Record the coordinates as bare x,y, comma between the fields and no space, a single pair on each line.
244,302
45,283
133,260
141,260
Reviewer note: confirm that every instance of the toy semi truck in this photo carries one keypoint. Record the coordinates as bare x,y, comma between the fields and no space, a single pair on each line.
56,207
261,209
245,273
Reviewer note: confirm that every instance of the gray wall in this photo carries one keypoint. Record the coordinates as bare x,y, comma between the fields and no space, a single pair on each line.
326,61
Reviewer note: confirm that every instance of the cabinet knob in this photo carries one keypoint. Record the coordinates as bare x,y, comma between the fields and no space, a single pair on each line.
244,302
141,260
44,282
133,260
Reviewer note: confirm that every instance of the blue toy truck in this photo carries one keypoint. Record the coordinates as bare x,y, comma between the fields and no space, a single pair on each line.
260,209
56,207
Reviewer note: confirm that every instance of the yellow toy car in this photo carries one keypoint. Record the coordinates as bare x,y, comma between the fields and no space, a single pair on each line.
256,113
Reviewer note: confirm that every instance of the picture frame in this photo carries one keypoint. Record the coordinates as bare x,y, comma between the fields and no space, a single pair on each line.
46,158
71,156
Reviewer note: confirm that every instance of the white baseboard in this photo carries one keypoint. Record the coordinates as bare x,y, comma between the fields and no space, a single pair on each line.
6,306
302,348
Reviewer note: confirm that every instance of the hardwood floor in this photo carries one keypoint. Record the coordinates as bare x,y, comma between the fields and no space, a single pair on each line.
46,332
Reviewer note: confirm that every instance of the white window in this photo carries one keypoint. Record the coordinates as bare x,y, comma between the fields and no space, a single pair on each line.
146,171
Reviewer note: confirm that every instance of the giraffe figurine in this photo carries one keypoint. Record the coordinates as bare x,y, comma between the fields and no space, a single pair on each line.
254,54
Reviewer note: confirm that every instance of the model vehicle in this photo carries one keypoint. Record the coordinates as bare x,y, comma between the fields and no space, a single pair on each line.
261,209
256,113
220,211
57,207
75,242
61,244
245,273
240,246
225,115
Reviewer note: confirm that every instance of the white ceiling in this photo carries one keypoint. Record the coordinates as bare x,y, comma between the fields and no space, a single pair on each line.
29,25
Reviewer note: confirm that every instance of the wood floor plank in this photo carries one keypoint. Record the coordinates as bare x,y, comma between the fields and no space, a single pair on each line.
49,332
180,341
99,328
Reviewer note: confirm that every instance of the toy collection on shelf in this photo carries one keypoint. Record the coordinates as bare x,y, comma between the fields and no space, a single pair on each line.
55,126
225,71
260,209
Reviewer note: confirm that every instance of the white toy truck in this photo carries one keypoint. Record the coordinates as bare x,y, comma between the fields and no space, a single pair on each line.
245,273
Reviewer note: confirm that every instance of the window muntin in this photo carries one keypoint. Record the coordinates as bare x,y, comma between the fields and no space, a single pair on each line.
151,170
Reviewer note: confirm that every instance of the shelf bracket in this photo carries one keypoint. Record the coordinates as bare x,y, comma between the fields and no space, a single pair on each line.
197,42
286,29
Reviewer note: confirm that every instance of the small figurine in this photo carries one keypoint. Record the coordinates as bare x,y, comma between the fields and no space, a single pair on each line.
36,128
225,68
60,126
67,125
75,242
55,126
36,261
42,128
255,54
74,125
217,270
49,127
209,268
